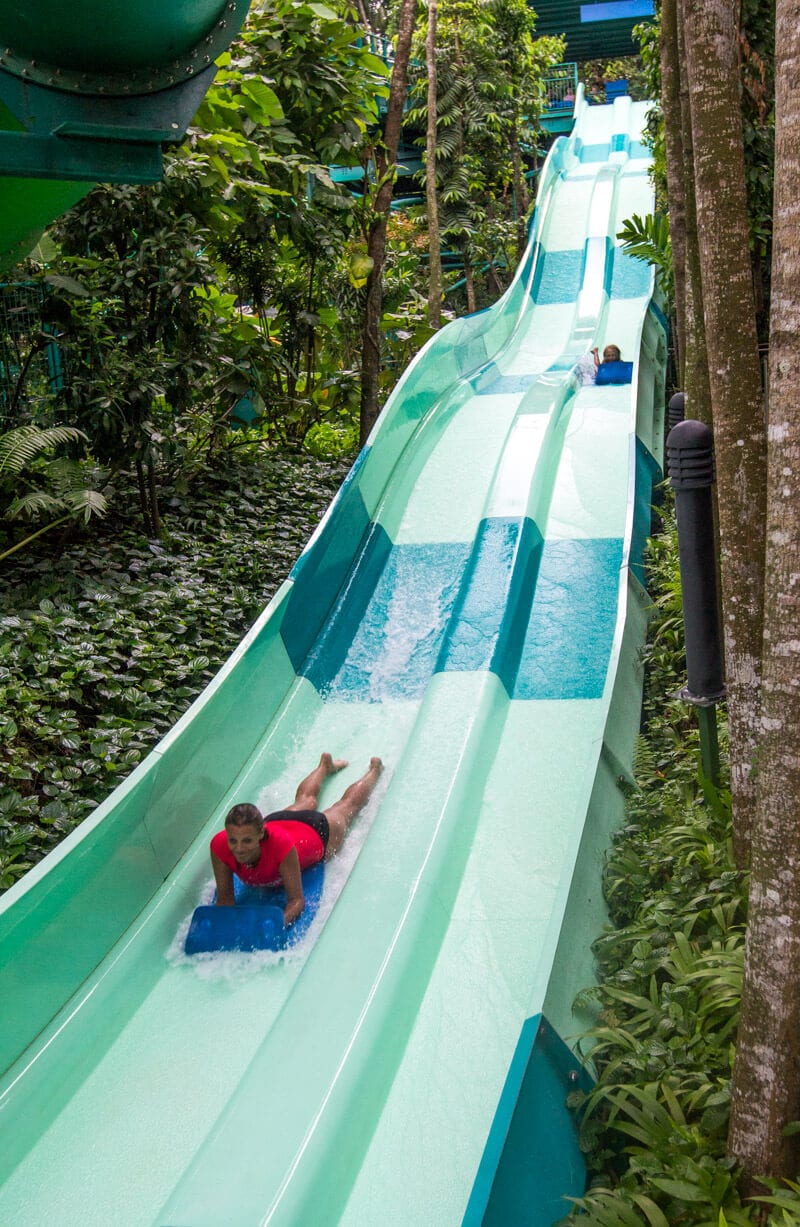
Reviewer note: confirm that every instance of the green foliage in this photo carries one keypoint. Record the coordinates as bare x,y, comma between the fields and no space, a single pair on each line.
105,646
647,238
35,484
595,74
139,342
174,301
296,93
648,36
21,446
654,1126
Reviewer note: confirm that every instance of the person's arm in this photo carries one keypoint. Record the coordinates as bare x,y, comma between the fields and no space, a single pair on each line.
596,356
223,876
289,869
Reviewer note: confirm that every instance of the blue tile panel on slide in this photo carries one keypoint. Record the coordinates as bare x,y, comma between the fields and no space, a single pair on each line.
539,647
530,1121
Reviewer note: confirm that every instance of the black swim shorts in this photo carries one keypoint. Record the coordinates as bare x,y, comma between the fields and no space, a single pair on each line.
311,817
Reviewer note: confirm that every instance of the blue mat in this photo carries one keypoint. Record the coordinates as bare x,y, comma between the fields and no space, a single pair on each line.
614,372
256,920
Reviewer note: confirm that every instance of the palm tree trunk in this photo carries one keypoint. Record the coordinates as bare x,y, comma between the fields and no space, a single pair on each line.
386,160
712,57
152,491
520,189
469,279
766,1077
676,190
141,484
696,383
431,198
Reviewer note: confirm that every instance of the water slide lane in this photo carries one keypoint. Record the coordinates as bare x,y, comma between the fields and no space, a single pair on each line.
469,609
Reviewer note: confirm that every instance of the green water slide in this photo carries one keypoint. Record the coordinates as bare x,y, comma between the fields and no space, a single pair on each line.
90,92
471,608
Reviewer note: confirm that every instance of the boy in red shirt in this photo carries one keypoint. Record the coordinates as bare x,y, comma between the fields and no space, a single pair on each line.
274,850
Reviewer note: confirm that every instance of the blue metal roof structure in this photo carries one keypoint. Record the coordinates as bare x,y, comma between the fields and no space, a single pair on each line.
594,30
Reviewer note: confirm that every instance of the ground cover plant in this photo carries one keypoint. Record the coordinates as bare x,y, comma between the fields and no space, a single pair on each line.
104,644
655,1126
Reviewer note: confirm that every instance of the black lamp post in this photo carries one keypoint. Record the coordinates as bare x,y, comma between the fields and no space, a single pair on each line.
690,453
676,409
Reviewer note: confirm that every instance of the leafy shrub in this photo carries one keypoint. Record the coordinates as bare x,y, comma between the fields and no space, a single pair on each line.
35,483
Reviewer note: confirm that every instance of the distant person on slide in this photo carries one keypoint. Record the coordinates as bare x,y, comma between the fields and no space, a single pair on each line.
611,353
588,366
273,850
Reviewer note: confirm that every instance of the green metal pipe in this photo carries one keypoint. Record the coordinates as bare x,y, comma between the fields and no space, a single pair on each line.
114,34
115,46
89,92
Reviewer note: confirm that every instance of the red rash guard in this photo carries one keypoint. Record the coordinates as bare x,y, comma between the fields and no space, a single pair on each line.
279,839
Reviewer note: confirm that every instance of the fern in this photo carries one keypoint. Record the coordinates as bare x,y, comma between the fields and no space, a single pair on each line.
33,487
34,504
24,444
79,502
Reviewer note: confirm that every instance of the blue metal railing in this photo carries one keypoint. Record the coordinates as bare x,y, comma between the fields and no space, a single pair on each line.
561,86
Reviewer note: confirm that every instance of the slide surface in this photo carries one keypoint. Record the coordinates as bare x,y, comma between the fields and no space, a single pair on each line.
470,610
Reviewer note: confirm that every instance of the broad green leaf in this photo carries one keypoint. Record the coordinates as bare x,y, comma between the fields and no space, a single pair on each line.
266,104
44,252
680,1189
653,1213
61,281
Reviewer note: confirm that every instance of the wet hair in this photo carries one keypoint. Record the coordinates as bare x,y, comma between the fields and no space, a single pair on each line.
244,816
617,351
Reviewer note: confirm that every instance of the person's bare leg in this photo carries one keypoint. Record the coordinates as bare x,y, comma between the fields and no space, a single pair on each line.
355,797
307,795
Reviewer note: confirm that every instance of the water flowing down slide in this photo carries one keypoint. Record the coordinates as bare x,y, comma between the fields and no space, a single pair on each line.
471,610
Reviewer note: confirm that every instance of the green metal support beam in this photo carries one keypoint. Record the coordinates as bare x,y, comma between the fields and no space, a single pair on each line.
78,159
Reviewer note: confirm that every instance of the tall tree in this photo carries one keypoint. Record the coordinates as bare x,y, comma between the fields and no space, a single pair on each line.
712,58
519,101
385,162
766,1081
676,167
431,196
489,94
695,371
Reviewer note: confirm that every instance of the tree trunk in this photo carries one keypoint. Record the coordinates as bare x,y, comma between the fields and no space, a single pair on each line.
311,336
363,17
152,491
469,280
520,190
695,363
676,191
141,485
431,198
766,1078
386,160
711,37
